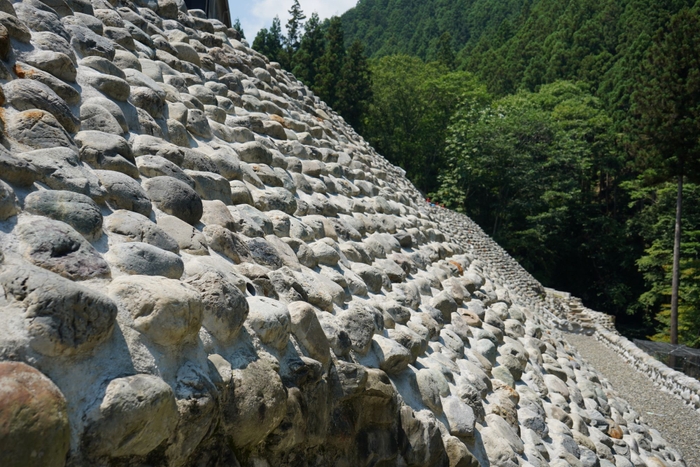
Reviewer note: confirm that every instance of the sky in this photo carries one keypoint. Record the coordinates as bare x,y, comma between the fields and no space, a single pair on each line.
258,14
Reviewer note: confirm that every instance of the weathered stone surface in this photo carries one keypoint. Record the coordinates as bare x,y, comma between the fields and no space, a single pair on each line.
460,417
227,243
257,404
94,117
58,64
16,170
38,129
143,259
269,320
60,169
123,192
44,76
134,227
308,331
56,246
189,239
9,206
225,308
393,357
210,186
33,418
165,310
62,318
175,197
106,151
420,439
136,414
77,210
87,43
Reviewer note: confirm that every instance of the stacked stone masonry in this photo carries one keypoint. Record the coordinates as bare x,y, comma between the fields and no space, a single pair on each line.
203,265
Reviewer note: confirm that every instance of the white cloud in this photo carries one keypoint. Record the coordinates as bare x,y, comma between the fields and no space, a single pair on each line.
258,14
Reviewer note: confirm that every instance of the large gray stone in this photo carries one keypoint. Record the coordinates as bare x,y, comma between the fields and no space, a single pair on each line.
167,311
420,439
64,90
134,227
77,210
225,308
56,246
58,64
175,197
16,170
269,320
156,166
87,43
123,192
60,169
143,259
40,19
210,186
227,243
62,318
393,357
110,86
9,205
106,151
308,331
257,404
38,129
136,414
460,417
189,239
94,117
359,324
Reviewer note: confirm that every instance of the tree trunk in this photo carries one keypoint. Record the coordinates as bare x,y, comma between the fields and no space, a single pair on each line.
676,264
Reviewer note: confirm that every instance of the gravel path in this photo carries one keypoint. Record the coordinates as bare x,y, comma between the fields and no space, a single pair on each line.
677,423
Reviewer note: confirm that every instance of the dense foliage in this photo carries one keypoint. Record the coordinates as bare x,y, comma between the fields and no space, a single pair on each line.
408,118
563,128
539,172
319,58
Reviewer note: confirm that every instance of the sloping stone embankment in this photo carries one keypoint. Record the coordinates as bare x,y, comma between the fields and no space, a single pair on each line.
203,265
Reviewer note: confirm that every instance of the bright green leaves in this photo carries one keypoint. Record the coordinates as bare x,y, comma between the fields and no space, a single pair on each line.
411,109
539,172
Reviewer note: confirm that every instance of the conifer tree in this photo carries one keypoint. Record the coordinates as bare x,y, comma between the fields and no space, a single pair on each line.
294,26
237,26
666,104
355,86
269,42
445,54
311,49
331,64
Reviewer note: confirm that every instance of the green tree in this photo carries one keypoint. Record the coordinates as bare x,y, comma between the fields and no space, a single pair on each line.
411,109
237,26
355,86
269,42
445,54
311,49
667,109
294,28
538,172
331,63
655,225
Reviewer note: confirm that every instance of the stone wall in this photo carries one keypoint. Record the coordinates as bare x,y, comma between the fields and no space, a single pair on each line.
203,265
601,325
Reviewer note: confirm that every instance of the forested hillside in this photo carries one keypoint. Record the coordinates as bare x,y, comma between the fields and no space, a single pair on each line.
516,44
567,130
